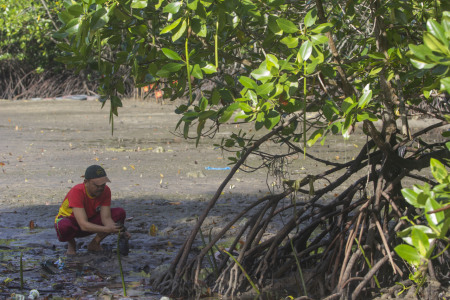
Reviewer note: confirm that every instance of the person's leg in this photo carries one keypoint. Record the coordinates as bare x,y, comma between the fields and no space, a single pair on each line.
94,245
67,230
118,215
71,247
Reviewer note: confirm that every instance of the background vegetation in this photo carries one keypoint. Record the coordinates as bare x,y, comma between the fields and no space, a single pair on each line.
27,53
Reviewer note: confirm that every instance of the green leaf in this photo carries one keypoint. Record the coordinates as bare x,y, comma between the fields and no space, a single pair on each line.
347,105
330,110
445,84
173,7
180,31
322,28
421,64
245,107
171,54
408,253
197,72
169,68
272,119
264,89
366,116
407,232
290,42
422,53
248,82
365,98
306,50
139,4
314,137
438,170
349,119
99,19
186,129
65,16
420,241
273,25
318,39
206,114
375,71
261,74
286,25
410,196
376,55
64,47
229,112
200,126
310,18
75,10
433,43
252,96
437,30
192,4
209,69
215,97
435,220
272,61
72,26
169,27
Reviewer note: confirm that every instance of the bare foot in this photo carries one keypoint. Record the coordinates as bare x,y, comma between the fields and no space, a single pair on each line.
94,246
71,248
71,252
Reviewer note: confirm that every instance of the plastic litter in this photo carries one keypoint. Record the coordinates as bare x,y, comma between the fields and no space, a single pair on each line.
217,169
77,97
49,267
59,264
34,294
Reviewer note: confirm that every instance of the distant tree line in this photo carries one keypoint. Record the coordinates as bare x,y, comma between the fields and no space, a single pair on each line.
28,53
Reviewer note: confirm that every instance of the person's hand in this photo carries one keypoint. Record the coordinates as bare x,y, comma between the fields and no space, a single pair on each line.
113,228
120,226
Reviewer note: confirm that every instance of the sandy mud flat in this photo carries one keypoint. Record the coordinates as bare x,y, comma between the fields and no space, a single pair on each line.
162,180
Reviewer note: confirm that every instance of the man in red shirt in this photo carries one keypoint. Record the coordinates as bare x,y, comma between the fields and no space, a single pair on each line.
86,210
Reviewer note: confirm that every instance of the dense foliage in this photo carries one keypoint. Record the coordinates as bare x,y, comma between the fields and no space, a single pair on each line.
26,28
28,50
299,71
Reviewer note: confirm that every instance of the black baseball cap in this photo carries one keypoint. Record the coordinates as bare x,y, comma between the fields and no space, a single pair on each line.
97,173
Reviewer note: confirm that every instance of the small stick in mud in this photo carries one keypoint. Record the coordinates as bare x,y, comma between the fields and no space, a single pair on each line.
120,265
21,270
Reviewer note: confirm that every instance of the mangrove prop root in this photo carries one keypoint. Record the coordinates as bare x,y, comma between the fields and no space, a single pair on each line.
323,233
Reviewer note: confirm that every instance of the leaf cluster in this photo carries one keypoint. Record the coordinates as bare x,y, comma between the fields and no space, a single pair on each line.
25,32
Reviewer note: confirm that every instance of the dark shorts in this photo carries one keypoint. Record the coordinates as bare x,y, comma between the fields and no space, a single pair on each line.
68,228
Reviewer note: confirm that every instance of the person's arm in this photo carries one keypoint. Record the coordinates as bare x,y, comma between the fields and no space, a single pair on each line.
105,214
108,225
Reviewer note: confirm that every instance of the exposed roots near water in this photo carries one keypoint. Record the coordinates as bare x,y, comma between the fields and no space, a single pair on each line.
20,82
334,240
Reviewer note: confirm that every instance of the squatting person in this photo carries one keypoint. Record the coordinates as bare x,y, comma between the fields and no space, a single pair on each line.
87,210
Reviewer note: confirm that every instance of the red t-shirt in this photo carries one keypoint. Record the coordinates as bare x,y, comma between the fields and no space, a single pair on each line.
78,197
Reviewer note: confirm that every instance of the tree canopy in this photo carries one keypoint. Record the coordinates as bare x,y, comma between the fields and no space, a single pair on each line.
299,71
